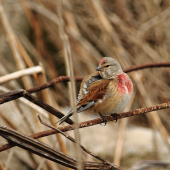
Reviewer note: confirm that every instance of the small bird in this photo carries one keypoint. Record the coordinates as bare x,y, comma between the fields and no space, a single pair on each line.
106,91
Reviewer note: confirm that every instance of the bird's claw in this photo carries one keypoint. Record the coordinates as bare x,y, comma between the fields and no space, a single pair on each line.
115,116
104,119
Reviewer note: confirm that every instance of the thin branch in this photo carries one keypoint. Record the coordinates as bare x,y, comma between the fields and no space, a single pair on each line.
26,102
35,100
39,88
73,140
43,150
78,79
36,147
149,65
96,121
45,106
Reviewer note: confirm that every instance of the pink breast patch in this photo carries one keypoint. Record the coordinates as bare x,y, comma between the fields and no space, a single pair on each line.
124,84
121,85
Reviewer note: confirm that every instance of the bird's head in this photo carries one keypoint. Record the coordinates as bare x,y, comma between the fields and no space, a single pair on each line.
108,68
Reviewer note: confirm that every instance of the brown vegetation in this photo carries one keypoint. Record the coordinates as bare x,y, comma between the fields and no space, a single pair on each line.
69,38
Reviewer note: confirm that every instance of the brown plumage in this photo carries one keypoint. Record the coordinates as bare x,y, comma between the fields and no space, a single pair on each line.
106,91
96,91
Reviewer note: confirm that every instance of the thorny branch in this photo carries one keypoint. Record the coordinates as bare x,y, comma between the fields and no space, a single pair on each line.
96,121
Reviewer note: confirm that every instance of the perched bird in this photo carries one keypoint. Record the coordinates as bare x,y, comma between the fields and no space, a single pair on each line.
106,91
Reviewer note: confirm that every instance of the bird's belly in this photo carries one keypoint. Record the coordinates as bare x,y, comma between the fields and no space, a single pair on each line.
112,104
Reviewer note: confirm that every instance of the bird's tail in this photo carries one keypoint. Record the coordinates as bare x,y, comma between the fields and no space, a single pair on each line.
65,117
69,114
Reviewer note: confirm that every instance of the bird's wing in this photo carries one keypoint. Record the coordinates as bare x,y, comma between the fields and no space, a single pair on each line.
93,78
96,91
87,81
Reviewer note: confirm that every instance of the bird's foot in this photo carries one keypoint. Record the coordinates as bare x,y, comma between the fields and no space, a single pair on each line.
104,119
115,115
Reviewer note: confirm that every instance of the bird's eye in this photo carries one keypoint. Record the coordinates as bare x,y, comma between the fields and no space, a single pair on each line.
107,66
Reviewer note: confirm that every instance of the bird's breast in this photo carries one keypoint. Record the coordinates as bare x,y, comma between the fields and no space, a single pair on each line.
117,96
125,85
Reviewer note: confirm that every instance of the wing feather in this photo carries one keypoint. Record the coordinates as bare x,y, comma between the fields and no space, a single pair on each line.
96,91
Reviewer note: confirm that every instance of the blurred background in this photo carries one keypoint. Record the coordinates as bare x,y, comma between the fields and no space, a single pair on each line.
132,32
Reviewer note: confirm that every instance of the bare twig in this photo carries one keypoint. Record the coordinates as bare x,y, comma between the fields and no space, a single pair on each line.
36,147
39,88
24,101
35,100
97,121
149,65
65,78
73,140
47,97
45,151
79,79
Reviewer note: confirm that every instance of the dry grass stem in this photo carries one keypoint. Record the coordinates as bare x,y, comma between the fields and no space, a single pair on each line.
69,38
121,133
13,44
72,89
153,116
21,73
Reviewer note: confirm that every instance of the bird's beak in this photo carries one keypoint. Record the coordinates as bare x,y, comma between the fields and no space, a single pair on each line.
99,68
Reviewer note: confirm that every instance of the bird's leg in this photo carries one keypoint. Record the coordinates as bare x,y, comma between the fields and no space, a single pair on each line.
115,115
104,118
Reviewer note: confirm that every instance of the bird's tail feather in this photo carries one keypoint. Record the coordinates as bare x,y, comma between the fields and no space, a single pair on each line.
65,117
70,113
